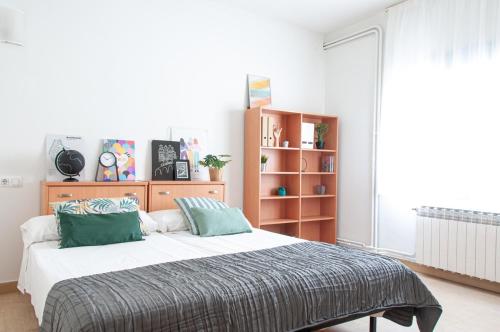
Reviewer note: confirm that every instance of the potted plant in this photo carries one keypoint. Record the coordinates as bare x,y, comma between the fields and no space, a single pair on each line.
321,130
263,162
215,165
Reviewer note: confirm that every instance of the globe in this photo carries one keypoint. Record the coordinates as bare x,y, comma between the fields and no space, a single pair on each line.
69,163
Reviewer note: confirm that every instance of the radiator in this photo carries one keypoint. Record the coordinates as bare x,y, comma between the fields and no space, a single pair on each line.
461,241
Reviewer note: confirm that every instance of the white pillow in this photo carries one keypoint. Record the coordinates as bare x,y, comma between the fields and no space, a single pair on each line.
39,229
44,228
169,220
150,224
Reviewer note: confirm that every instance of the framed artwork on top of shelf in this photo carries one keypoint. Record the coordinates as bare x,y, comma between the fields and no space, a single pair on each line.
182,170
193,147
164,153
54,145
259,90
124,150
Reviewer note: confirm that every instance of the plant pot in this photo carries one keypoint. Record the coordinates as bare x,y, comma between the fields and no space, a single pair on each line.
215,174
263,167
320,144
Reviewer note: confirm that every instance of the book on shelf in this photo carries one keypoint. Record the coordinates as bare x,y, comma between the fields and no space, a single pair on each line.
307,139
271,123
328,164
263,130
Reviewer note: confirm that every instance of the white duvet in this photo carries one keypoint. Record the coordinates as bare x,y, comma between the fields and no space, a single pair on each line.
44,264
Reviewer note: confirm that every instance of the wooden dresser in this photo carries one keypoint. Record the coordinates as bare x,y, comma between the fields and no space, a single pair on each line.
65,191
162,193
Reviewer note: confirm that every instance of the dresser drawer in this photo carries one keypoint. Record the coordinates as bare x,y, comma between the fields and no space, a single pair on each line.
162,196
67,193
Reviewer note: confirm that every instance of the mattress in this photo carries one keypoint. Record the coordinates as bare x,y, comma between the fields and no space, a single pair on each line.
46,265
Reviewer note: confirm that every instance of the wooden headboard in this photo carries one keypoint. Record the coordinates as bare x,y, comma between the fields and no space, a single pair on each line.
162,193
152,195
66,191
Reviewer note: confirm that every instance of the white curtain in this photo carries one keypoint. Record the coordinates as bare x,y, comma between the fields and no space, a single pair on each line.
439,142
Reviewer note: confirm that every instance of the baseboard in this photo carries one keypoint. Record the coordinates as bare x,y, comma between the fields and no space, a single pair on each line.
455,277
8,287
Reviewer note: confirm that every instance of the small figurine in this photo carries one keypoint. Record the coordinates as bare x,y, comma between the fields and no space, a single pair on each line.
276,134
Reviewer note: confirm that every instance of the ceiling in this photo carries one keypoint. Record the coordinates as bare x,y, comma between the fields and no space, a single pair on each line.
316,15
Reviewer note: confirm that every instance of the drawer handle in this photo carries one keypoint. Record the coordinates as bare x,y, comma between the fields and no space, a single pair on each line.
164,193
213,191
130,194
65,195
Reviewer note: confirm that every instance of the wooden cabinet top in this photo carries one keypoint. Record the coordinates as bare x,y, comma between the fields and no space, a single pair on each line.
94,183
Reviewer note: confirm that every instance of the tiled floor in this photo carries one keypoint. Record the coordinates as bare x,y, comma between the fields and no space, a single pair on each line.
465,309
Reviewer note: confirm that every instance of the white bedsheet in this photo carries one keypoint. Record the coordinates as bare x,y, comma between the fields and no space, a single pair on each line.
46,264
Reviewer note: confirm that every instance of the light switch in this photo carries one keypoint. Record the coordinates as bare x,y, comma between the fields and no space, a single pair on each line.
11,181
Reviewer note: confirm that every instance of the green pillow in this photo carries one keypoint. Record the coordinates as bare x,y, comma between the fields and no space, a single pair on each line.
212,222
78,230
187,203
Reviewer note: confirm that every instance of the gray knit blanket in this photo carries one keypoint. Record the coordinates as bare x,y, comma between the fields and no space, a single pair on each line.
280,289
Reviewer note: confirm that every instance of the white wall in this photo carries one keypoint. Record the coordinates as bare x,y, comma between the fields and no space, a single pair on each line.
132,69
350,76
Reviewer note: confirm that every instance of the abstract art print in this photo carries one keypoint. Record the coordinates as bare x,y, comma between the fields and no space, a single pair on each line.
164,153
193,148
54,144
124,150
259,91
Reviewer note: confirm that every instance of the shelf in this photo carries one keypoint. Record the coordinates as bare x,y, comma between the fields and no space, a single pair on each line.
319,150
317,196
318,173
311,218
279,173
316,218
279,197
278,221
279,148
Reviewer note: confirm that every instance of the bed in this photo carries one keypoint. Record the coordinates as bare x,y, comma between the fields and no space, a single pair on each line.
259,281
87,274
46,264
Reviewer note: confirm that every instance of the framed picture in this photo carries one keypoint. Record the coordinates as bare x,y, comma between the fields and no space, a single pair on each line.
182,170
163,155
54,145
124,150
259,90
193,147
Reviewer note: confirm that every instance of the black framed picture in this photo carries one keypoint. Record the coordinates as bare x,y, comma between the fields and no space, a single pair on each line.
163,155
182,170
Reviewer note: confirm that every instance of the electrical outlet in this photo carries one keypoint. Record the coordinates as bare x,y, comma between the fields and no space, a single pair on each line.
11,181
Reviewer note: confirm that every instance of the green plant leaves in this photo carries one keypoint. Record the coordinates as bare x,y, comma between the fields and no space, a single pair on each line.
214,161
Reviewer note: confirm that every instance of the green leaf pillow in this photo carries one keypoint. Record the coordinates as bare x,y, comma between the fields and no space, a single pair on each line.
91,229
213,222
99,206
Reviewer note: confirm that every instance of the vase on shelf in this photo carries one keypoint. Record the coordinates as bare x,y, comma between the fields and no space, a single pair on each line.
320,189
281,191
263,167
